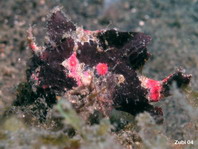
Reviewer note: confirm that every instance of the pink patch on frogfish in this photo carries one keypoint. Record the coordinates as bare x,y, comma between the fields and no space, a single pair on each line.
102,69
154,89
73,65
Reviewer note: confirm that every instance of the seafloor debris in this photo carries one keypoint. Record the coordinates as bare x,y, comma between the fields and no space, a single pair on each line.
94,70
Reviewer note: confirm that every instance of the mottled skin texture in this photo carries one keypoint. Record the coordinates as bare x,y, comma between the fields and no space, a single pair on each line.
73,54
